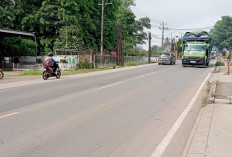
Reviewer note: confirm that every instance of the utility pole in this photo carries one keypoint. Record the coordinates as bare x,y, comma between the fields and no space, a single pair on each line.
102,25
103,4
66,37
149,54
163,28
120,47
172,46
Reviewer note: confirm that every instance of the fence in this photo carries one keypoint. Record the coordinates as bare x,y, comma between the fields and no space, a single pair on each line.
108,61
135,59
6,63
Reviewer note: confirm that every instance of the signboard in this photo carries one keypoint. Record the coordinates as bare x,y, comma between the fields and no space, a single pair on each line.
113,54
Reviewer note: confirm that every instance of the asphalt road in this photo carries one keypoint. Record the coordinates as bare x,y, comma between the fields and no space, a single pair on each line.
118,113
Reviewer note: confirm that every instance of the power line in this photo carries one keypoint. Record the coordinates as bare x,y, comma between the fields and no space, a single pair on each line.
157,21
186,29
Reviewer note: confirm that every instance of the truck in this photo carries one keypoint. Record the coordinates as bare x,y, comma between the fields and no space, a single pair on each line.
196,49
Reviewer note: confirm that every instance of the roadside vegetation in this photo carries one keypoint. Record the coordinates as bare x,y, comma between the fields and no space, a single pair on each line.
75,23
25,73
78,71
133,64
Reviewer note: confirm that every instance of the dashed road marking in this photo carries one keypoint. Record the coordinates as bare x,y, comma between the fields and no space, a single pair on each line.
7,115
111,85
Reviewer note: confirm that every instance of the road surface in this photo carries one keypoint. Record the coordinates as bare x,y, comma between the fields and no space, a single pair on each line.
124,113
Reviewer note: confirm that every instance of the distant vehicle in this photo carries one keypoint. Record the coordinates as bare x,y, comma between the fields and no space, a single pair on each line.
167,58
196,49
213,54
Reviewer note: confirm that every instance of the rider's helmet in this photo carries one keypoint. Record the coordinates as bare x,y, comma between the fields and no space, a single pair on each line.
50,54
224,49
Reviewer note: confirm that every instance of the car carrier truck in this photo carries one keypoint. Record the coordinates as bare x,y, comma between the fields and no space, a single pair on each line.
196,49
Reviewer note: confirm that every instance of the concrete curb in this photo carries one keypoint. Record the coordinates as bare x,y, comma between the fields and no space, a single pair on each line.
213,86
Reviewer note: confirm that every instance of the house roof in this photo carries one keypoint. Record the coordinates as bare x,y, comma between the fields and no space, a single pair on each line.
11,31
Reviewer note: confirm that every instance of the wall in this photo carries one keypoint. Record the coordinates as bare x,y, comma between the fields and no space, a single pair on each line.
29,62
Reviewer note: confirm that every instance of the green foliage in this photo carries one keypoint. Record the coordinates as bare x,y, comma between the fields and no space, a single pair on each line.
63,61
128,3
136,51
78,20
6,16
30,73
17,46
222,33
179,46
217,63
84,65
156,50
133,64
133,31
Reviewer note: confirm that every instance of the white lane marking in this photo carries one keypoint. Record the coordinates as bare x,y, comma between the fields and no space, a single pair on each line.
166,140
11,114
111,85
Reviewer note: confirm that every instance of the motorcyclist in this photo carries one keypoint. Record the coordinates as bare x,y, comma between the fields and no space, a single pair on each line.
52,61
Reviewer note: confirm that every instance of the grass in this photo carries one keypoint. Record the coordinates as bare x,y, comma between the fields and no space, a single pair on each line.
205,100
25,73
133,64
79,71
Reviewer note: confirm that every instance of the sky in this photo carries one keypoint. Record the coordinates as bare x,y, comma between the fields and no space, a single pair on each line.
181,14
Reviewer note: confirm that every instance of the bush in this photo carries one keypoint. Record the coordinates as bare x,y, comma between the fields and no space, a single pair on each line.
39,60
217,63
63,61
84,65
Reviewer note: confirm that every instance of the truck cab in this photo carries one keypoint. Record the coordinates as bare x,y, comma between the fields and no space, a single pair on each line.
196,49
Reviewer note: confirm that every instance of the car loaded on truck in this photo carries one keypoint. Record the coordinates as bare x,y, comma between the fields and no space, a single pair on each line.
196,49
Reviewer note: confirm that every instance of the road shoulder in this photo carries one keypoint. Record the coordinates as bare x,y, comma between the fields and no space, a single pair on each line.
212,133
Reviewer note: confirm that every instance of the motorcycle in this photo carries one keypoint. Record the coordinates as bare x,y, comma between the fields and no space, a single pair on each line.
1,74
49,72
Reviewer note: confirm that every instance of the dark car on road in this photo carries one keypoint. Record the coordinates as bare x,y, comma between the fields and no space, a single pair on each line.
167,58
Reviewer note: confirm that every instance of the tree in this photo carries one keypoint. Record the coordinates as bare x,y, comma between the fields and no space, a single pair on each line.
167,44
78,21
128,3
156,50
222,33
6,16
179,46
132,30
17,46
